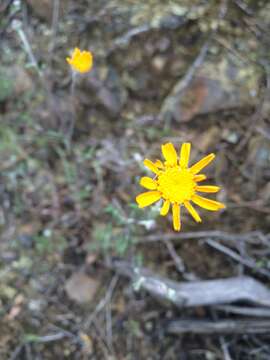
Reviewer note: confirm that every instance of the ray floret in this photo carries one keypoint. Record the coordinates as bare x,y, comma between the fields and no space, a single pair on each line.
80,61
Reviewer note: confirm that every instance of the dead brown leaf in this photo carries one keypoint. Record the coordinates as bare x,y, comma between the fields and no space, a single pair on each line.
81,288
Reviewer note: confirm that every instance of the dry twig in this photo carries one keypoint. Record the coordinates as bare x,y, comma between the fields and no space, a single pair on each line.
221,235
248,262
196,293
244,310
102,304
219,327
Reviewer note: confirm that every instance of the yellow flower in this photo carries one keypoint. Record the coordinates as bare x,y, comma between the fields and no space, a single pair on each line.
176,184
81,61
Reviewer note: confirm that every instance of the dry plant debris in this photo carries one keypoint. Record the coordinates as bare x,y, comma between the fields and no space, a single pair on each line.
70,151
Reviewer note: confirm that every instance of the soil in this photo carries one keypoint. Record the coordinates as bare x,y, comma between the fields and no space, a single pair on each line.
72,156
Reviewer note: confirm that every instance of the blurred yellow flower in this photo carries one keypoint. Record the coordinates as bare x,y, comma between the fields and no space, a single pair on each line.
81,61
176,184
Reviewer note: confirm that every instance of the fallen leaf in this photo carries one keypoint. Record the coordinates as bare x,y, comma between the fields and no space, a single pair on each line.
87,343
81,288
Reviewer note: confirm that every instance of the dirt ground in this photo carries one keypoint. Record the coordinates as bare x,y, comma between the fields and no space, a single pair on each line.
72,153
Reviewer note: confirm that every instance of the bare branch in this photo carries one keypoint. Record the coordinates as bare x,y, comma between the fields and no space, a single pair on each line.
245,311
196,293
221,235
219,327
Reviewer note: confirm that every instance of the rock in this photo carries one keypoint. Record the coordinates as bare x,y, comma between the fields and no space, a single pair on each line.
81,288
107,90
159,63
44,8
215,87
36,305
26,240
7,292
208,138
14,82
23,81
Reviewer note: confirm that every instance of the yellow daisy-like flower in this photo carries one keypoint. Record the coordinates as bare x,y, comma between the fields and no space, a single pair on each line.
176,184
81,61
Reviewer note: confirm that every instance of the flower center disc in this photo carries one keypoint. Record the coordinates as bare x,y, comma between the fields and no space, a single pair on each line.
176,185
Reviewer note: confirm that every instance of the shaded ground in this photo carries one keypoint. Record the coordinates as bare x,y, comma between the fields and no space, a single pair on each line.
70,166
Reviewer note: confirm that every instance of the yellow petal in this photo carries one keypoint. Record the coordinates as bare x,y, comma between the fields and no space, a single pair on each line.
148,198
176,217
192,211
208,188
199,178
169,153
81,61
148,183
184,155
207,203
151,166
165,208
202,163
159,164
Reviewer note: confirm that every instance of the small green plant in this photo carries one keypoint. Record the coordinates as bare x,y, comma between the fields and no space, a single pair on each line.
47,243
120,233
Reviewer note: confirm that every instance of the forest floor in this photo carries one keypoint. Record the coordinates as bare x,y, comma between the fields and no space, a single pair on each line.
71,158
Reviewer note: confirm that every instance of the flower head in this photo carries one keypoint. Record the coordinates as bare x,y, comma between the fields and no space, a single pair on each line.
176,184
81,61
